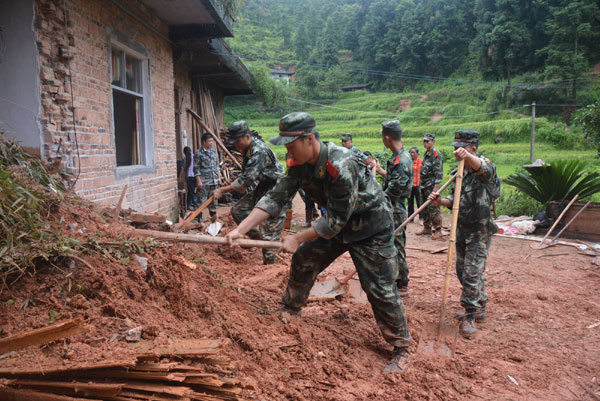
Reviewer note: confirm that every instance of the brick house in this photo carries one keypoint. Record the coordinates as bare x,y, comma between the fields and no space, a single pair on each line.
101,88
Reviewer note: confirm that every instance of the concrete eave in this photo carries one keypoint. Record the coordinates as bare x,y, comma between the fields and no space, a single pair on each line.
189,19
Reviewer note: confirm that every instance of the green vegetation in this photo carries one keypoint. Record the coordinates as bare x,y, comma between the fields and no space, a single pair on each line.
560,180
505,135
517,50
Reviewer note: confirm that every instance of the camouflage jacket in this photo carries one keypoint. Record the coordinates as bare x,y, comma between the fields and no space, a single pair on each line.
357,152
398,179
206,165
432,170
356,207
474,215
260,164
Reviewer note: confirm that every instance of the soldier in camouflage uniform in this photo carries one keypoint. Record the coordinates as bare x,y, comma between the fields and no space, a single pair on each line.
207,172
397,185
432,173
358,219
347,143
475,226
261,168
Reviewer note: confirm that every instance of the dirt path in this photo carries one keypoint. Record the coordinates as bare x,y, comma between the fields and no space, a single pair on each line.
536,332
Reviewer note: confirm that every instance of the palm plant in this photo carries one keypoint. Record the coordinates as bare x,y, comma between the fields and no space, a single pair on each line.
557,181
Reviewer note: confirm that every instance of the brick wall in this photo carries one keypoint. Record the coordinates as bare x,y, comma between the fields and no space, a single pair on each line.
86,45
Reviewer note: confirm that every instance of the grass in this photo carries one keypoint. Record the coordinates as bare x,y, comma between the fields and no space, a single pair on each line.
505,136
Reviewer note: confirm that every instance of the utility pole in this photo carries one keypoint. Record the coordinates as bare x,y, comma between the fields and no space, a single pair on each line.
532,131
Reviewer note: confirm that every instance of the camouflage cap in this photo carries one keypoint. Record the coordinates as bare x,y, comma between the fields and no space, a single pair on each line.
293,126
237,130
429,137
388,127
465,137
346,137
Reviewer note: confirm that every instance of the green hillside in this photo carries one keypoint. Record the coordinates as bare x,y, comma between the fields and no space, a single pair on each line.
505,135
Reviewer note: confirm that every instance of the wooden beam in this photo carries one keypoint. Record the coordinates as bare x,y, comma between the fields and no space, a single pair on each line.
43,335
100,390
120,204
203,347
76,367
205,239
217,140
146,218
11,394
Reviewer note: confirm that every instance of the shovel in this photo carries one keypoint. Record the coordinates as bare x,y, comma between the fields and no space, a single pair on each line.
437,337
541,245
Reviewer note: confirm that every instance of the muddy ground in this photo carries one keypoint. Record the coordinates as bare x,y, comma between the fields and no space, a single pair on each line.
539,342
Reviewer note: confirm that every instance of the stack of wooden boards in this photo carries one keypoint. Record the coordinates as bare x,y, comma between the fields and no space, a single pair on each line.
146,371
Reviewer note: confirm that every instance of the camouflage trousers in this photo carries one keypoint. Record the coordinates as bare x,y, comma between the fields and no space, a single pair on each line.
268,230
432,217
471,256
400,243
205,193
375,259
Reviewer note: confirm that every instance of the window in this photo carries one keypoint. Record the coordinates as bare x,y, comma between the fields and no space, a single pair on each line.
128,107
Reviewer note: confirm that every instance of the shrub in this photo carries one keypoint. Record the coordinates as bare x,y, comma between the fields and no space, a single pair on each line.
516,203
560,180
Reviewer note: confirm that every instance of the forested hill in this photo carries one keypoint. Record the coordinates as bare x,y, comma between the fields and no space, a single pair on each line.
400,41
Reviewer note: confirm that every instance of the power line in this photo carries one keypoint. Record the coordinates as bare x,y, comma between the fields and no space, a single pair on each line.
557,84
398,115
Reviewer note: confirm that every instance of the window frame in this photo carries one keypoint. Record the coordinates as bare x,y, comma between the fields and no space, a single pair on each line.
127,47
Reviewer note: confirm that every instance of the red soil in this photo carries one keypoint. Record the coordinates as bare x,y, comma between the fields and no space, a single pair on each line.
536,331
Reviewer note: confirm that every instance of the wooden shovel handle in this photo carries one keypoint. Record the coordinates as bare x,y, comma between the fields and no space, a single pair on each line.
196,212
424,205
557,220
452,240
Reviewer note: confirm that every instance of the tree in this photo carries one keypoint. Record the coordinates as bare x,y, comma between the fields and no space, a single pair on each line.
589,118
570,24
326,50
272,93
302,42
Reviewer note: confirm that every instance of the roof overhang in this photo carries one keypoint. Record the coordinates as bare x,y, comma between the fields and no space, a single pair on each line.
192,18
212,60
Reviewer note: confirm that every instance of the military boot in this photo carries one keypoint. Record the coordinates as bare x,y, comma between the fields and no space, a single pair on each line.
399,361
425,231
437,234
479,314
467,325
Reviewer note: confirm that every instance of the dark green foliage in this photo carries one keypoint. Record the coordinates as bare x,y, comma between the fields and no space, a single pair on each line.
589,118
381,40
272,93
561,180
516,203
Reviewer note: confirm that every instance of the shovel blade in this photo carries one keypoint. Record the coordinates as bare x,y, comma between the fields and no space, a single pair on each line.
438,339
326,290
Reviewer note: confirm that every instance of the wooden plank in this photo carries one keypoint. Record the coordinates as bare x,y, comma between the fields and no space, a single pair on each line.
204,239
53,369
146,218
42,335
120,203
140,395
216,138
158,388
133,375
202,347
11,394
100,390
438,250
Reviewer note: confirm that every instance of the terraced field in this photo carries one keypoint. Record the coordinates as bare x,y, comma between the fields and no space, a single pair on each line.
505,135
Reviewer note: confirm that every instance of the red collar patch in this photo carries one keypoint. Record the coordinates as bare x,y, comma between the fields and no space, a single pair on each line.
435,154
397,160
333,172
290,162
